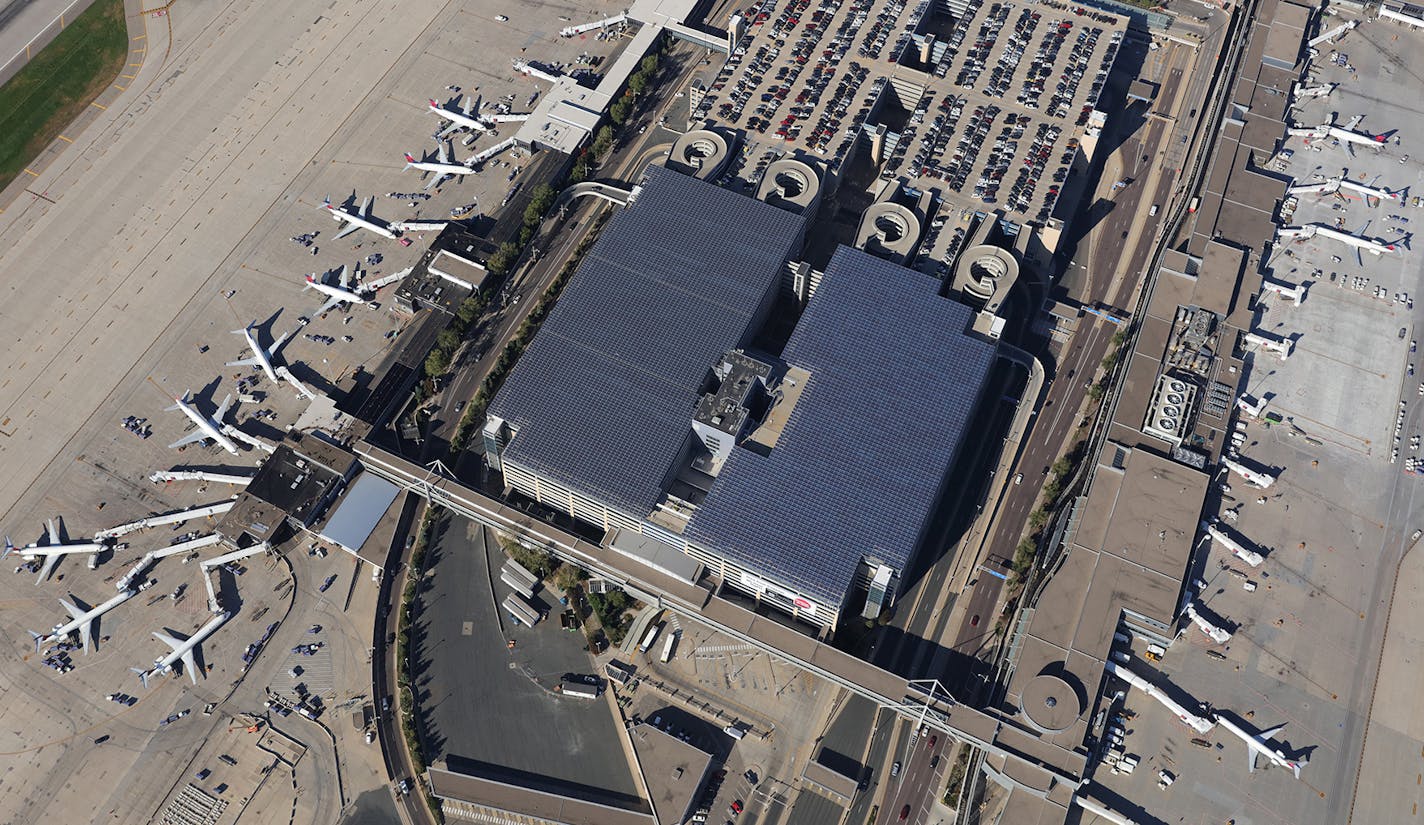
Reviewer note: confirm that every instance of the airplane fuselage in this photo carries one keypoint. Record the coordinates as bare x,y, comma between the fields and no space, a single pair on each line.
439,168
1257,746
165,664
263,359
209,428
343,216
335,291
460,118
61,631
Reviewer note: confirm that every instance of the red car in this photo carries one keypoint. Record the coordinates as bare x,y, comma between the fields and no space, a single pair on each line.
736,807
904,813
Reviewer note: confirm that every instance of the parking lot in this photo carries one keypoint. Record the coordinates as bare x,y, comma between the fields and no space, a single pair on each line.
986,109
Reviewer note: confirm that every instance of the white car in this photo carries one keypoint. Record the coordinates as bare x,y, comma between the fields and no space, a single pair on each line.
501,18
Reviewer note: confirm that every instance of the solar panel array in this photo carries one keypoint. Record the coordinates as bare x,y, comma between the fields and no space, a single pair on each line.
895,380
603,398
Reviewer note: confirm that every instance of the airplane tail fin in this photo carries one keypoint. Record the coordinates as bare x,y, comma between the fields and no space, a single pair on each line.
38,638
142,675
409,161
326,201
182,399
9,548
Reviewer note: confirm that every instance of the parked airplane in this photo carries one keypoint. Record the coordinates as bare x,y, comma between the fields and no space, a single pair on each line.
1257,745
345,291
208,428
51,552
80,620
183,651
466,117
260,357
443,167
357,218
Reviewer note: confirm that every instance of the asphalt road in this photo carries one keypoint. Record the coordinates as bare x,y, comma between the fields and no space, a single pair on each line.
917,783
383,663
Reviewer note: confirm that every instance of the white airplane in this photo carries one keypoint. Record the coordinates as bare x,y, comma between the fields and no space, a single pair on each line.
347,291
443,167
357,218
466,117
183,651
80,620
260,357
208,428
1257,746
51,552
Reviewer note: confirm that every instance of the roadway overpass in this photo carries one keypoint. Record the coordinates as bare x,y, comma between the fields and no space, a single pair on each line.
1038,766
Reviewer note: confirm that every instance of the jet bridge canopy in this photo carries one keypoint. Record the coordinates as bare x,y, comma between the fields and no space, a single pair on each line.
358,514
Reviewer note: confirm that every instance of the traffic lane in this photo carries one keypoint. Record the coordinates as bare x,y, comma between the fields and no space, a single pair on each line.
977,627
915,782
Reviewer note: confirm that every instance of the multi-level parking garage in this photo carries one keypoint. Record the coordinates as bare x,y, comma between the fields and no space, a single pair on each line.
987,104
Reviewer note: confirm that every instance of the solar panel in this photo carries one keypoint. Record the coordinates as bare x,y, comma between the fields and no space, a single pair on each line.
895,379
603,399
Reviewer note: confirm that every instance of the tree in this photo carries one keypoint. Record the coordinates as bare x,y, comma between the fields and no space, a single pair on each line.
648,65
1063,466
1096,392
448,340
638,83
567,577
603,141
540,202
1037,519
436,363
503,258
620,110
470,308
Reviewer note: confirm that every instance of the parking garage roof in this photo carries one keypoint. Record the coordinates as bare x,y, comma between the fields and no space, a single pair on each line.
603,399
859,464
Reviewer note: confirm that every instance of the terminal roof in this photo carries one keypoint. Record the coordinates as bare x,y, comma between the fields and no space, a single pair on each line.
894,379
603,399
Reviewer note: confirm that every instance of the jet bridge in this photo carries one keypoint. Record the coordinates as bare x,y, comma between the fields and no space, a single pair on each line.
1308,231
164,476
1329,37
219,561
170,518
575,31
1197,723
1262,480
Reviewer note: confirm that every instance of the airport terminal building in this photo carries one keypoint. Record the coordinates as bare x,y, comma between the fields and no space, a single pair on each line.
648,406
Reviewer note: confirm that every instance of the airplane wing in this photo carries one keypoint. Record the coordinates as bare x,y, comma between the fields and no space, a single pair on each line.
469,106
190,664
1354,121
366,207
278,344
445,152
246,362
222,408
435,180
72,609
53,533
450,129
347,229
48,567
190,438
344,277
331,303
85,633
168,640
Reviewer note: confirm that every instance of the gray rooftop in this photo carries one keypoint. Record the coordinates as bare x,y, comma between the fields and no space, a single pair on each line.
894,380
604,397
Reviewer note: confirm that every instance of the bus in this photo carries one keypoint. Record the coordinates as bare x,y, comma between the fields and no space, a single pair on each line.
667,648
652,636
